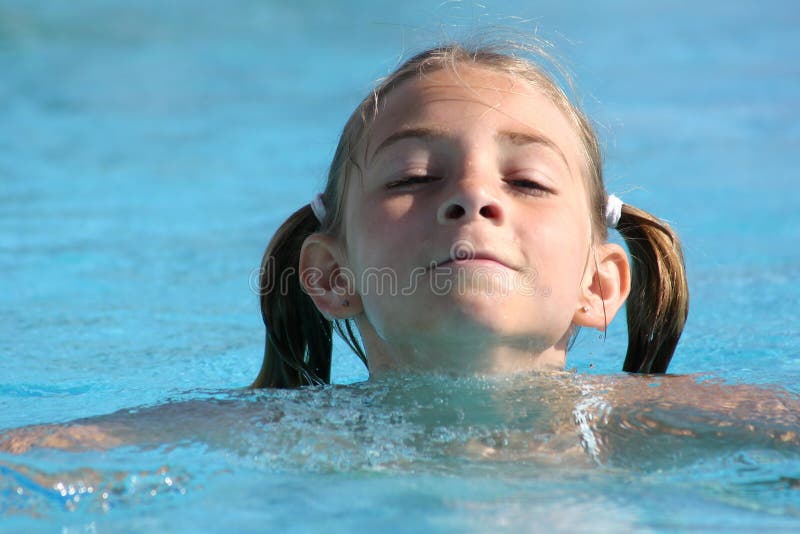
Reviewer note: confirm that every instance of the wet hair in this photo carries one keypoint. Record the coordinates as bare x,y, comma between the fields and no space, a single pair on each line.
299,338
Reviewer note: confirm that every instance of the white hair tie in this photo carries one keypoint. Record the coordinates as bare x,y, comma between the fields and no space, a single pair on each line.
613,210
318,207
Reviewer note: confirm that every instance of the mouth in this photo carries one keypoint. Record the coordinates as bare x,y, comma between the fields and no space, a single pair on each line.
473,259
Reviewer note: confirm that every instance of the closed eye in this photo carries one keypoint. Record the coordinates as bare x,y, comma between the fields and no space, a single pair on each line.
410,181
529,187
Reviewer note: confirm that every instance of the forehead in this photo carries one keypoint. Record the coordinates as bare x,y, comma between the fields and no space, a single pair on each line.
468,96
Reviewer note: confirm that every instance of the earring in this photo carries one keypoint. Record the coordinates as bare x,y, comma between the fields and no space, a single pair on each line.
585,309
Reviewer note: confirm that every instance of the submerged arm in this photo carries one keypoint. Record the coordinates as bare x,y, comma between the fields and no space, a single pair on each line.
207,420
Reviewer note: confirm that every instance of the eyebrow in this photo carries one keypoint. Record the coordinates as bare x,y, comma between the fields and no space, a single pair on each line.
522,139
409,133
515,138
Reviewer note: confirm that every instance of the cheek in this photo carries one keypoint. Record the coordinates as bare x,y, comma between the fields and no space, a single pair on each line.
558,252
372,240
380,230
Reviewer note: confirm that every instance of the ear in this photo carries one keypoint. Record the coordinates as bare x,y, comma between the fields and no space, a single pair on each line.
605,287
330,286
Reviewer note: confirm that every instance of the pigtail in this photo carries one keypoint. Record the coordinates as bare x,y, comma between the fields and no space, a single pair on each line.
298,341
659,299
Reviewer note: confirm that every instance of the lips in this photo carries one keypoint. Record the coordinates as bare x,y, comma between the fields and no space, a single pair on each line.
473,258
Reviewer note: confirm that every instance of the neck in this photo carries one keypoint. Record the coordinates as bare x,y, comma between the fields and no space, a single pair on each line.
485,356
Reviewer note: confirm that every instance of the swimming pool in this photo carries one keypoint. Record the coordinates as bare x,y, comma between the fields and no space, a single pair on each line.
145,161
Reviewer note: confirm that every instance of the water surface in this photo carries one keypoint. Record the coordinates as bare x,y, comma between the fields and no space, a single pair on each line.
149,151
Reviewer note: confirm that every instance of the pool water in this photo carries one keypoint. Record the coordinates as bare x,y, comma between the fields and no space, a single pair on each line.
148,151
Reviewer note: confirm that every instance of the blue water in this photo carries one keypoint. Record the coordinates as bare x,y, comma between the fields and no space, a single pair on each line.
149,150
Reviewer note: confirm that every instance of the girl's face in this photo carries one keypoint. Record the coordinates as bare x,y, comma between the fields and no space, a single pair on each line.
470,219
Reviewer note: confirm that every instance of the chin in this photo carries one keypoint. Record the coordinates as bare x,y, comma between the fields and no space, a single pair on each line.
465,315
475,315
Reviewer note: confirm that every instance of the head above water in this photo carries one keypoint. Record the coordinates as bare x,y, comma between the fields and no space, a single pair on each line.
482,150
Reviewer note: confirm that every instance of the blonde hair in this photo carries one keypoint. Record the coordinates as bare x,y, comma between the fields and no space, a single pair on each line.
299,338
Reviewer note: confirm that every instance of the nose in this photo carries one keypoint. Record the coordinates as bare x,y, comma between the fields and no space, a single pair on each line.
471,201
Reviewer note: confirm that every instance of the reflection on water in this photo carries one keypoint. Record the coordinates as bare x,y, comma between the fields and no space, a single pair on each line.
731,445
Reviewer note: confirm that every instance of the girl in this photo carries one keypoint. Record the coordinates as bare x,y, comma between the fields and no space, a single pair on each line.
463,228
